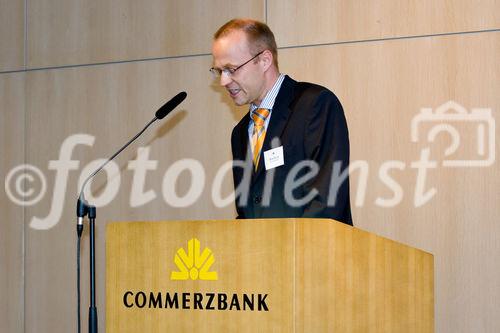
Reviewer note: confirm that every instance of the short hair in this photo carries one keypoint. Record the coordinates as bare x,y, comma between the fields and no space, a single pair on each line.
260,37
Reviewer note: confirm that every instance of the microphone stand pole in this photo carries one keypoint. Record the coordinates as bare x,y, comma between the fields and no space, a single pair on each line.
84,209
92,307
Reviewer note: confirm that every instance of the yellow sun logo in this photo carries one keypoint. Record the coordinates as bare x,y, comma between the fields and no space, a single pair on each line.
194,265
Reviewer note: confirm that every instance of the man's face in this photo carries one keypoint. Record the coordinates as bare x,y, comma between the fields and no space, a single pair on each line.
247,84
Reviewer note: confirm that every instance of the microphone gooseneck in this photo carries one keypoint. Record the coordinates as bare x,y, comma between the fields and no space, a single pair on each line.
82,205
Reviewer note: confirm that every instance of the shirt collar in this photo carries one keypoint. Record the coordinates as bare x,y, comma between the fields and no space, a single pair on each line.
268,101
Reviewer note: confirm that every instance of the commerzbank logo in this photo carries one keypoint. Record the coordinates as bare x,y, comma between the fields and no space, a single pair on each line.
194,265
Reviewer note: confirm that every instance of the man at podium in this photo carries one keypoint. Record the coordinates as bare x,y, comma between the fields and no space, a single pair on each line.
291,151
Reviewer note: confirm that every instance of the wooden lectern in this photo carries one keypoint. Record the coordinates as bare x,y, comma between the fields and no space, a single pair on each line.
274,275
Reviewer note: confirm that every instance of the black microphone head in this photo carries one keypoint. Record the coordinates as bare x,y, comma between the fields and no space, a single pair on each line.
170,105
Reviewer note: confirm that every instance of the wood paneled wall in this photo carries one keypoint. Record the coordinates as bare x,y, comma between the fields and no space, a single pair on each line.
12,34
12,150
102,67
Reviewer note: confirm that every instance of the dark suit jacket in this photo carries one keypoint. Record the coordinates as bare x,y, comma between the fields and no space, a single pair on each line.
309,122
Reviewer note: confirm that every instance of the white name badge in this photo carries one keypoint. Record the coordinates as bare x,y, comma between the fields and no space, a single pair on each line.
274,158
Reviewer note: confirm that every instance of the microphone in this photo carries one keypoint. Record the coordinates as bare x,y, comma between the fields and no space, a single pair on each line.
82,207
170,105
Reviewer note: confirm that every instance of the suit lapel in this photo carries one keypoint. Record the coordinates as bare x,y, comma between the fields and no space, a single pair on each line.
279,118
242,137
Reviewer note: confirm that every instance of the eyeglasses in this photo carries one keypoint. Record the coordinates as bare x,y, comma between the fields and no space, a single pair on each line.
217,72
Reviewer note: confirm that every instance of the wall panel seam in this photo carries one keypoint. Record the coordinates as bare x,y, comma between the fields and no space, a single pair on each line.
265,11
25,54
23,236
280,48
106,63
25,158
444,34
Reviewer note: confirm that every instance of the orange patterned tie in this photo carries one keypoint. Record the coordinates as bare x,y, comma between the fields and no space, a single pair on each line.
259,133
